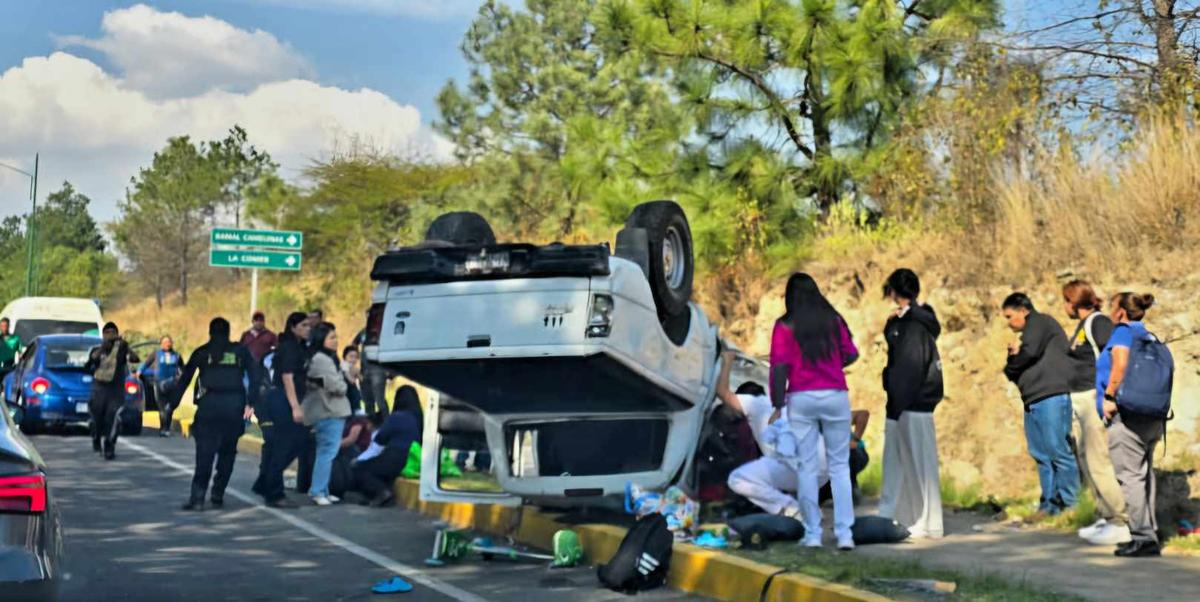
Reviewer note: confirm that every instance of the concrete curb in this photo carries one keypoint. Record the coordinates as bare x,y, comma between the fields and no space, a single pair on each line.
694,570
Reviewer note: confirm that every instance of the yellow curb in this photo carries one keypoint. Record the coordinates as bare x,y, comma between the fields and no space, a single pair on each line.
694,570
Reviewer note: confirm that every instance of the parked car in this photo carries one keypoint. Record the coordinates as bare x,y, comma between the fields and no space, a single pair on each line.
49,386
584,369
31,546
32,317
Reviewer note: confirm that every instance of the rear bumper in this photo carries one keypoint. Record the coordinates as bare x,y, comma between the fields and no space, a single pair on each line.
538,382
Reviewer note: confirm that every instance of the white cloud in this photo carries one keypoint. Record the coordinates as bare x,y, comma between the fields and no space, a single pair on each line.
172,55
421,9
96,131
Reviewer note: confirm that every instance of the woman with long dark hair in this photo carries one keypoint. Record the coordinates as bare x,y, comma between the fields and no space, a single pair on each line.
810,348
325,408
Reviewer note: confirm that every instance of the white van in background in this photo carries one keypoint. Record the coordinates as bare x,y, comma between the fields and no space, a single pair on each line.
32,317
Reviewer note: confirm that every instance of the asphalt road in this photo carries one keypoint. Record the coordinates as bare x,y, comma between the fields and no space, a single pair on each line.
127,539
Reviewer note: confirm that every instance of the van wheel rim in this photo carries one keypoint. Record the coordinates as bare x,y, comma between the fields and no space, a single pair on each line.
673,267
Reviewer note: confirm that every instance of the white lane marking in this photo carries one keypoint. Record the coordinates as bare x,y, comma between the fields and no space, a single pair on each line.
409,572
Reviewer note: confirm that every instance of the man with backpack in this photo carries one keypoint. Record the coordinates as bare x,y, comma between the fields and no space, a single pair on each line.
108,365
1095,467
1134,380
222,407
1039,366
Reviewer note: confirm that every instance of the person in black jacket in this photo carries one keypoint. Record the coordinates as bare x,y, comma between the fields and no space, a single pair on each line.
109,365
1041,368
223,404
913,381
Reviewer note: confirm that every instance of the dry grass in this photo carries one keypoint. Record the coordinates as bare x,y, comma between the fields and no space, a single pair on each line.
1103,215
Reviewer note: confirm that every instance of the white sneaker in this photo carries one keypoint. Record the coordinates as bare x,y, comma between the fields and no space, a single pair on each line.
322,500
1092,529
846,544
1110,535
333,498
811,542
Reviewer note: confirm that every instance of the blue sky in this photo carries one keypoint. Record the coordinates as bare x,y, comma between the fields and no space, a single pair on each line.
98,85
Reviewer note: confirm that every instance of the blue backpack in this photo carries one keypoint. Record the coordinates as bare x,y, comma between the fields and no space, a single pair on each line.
1146,390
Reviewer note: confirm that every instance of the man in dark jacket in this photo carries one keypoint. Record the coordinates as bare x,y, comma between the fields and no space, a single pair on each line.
222,407
913,381
108,365
1041,367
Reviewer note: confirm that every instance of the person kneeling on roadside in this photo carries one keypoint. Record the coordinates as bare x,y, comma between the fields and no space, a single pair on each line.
222,408
770,482
376,469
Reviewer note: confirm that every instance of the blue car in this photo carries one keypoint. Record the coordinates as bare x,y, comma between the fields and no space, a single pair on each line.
49,386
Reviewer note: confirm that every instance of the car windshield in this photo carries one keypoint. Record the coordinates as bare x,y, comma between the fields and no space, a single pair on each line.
27,330
67,356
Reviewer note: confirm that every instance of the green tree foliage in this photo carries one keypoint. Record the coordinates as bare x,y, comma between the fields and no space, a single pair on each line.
71,257
188,188
756,115
359,204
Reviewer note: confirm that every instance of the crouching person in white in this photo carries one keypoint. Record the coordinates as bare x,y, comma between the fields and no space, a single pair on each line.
913,380
770,482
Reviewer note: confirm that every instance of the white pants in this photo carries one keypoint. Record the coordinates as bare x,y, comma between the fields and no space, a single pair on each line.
911,487
771,484
817,415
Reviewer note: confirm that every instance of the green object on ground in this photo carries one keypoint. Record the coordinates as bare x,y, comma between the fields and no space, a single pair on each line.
456,544
567,549
412,468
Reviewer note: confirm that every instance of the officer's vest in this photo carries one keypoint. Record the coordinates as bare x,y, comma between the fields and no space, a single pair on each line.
223,374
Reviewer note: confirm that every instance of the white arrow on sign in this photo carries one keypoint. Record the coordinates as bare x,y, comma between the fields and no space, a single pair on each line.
291,260
291,240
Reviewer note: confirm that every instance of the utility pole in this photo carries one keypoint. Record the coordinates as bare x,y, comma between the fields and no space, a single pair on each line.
32,234
30,229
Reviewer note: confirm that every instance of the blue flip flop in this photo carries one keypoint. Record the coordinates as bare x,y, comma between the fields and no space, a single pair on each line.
394,585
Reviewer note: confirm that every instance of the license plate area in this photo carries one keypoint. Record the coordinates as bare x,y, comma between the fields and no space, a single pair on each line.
494,263
81,407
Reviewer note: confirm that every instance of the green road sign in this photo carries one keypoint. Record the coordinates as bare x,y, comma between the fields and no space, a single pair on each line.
267,260
266,239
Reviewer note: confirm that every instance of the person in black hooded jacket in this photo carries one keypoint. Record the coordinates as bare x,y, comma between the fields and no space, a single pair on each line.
223,404
913,381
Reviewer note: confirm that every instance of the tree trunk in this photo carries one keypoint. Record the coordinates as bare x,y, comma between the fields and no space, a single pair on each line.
1171,73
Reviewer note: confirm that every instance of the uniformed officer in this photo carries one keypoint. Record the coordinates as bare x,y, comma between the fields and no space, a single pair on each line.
222,407
281,419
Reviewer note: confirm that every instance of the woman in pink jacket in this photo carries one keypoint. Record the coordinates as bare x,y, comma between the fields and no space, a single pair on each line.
810,348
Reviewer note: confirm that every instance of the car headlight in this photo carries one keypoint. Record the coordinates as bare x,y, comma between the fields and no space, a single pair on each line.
600,318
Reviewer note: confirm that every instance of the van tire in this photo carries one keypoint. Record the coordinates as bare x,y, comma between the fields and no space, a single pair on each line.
671,260
461,229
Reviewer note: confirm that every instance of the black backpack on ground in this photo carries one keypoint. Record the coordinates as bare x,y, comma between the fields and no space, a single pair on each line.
643,558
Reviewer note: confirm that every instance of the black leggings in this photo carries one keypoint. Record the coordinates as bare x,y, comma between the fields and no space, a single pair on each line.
105,407
376,475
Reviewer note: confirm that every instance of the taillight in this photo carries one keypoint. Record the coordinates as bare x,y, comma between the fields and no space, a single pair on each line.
600,318
23,494
40,385
374,324
131,387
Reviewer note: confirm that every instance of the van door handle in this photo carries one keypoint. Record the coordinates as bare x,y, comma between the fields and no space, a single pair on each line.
479,340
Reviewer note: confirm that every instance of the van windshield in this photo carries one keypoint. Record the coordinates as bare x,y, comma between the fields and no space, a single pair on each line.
27,330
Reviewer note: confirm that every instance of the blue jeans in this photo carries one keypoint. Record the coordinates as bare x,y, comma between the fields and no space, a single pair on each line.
329,438
1048,433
